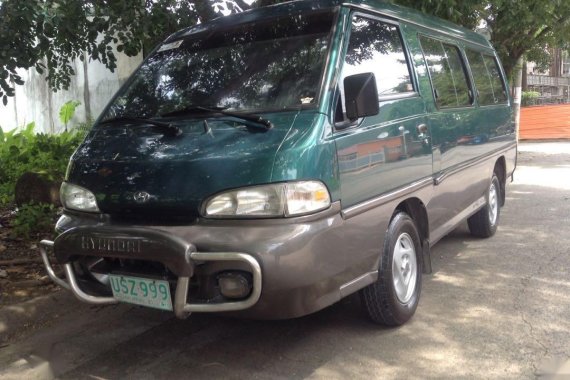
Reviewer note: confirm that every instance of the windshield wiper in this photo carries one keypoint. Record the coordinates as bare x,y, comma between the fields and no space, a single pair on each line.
222,110
166,127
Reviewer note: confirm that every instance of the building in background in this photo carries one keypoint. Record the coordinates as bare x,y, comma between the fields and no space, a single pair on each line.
553,85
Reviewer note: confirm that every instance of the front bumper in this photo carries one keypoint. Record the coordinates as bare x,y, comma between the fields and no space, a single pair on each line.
177,256
307,263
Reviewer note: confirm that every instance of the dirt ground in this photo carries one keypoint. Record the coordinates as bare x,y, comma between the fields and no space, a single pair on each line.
22,275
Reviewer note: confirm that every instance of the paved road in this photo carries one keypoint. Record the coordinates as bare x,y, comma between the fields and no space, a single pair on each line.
496,308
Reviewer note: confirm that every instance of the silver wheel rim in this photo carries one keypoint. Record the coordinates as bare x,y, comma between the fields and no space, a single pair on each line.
404,268
493,204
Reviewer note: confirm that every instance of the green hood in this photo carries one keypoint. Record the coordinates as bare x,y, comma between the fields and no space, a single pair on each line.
118,161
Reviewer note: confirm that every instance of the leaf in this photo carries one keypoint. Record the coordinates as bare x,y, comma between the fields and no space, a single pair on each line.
14,150
29,131
5,100
67,111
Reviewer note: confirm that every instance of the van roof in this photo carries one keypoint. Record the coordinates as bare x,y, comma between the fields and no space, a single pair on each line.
389,10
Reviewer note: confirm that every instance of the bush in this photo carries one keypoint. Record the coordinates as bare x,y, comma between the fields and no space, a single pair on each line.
24,151
33,218
529,98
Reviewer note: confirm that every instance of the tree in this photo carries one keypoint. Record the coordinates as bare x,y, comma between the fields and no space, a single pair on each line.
528,27
48,34
467,13
518,27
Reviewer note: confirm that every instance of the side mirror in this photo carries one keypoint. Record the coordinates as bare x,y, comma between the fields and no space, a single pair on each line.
361,96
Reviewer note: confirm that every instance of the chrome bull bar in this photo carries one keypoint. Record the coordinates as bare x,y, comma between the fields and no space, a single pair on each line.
182,309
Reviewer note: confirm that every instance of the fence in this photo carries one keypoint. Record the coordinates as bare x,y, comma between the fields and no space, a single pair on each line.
553,90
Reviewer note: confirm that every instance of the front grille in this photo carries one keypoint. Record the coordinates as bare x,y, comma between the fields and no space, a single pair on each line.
164,219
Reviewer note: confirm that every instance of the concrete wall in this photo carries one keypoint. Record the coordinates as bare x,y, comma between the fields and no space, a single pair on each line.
35,102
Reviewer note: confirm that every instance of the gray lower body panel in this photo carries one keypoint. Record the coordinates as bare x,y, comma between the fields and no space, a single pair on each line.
306,264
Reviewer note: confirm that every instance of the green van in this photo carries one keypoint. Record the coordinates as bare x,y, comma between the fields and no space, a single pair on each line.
272,162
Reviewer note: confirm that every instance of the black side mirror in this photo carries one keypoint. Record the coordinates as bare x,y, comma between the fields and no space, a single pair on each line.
361,96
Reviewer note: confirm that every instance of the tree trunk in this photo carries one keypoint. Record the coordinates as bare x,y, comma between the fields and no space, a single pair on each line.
36,188
86,95
517,94
524,77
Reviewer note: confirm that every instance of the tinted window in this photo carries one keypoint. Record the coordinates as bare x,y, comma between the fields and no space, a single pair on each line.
487,78
447,73
481,77
377,47
496,80
270,64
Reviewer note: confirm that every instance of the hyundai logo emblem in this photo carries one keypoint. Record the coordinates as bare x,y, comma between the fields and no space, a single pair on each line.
141,197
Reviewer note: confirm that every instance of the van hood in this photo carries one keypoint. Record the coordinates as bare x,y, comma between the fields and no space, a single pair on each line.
138,170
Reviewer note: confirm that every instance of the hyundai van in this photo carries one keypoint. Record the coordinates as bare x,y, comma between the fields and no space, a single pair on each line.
272,162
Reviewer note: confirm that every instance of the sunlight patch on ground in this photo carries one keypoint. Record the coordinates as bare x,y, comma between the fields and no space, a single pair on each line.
545,147
448,279
557,178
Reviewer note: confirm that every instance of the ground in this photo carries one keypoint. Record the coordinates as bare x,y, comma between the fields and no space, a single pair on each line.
493,308
27,279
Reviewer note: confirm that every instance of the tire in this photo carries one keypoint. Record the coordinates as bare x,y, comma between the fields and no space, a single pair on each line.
484,223
392,300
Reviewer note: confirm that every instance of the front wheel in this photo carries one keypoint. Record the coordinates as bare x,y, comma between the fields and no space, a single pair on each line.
484,223
392,300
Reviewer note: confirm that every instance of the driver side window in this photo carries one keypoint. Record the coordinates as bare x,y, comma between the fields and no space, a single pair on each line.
375,47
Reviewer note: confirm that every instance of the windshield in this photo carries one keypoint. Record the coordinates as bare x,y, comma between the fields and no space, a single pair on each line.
267,65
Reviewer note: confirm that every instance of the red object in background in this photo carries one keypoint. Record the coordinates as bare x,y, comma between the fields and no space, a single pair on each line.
545,122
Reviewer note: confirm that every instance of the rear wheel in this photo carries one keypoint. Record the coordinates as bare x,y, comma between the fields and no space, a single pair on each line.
484,223
393,298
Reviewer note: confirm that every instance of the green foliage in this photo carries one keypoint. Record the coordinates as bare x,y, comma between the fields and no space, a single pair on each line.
518,27
463,12
47,35
528,26
84,127
33,218
67,111
23,151
529,98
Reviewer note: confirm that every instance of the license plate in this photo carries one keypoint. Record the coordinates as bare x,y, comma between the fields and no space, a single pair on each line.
142,291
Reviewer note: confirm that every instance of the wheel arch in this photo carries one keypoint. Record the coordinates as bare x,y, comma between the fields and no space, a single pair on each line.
500,170
416,209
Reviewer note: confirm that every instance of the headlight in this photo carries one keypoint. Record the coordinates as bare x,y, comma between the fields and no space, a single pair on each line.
74,197
277,200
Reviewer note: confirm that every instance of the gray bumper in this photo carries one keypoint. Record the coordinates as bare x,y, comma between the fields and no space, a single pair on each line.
182,309
306,263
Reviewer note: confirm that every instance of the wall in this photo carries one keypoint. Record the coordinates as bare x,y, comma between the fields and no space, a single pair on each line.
545,122
35,102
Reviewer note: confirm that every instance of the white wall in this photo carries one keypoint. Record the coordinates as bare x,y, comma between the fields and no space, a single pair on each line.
35,102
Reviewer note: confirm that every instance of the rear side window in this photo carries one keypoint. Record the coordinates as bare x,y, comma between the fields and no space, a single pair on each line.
487,77
447,72
376,47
